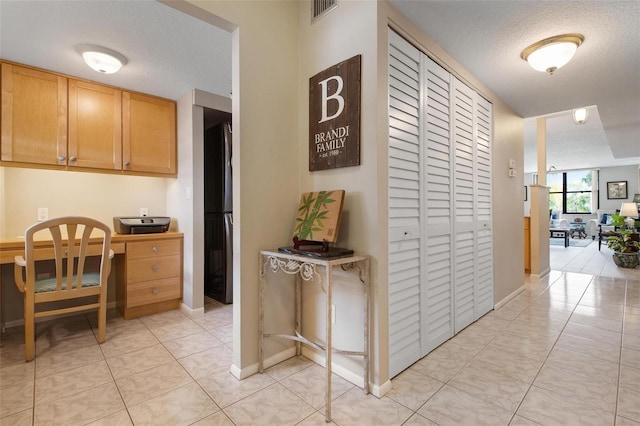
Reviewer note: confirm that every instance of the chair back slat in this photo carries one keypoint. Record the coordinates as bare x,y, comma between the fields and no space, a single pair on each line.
70,253
58,254
84,247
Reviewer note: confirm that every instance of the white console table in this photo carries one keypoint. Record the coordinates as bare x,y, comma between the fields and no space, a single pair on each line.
306,268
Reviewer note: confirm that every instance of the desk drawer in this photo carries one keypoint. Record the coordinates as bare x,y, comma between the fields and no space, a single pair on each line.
157,248
153,268
143,293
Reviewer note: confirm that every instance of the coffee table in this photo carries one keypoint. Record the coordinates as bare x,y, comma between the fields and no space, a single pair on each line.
560,233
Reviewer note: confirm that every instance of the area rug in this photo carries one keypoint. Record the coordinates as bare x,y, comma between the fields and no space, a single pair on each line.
572,242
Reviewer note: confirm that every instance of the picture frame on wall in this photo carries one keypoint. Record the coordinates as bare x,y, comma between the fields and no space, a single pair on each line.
617,190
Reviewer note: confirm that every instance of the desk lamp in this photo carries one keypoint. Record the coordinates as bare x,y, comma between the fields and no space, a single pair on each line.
629,210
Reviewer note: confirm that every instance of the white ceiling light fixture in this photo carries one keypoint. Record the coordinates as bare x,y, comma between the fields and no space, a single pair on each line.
101,59
580,115
552,53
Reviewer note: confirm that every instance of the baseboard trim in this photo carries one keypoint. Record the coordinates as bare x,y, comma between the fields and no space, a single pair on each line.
541,275
243,373
509,298
192,313
317,358
348,375
250,370
380,391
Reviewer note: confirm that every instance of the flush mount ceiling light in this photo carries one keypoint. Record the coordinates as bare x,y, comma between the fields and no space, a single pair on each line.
580,115
101,59
552,53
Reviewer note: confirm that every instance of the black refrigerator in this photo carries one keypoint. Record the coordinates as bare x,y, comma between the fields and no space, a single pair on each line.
218,214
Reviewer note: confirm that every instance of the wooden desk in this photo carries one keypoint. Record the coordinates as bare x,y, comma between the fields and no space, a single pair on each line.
10,248
148,270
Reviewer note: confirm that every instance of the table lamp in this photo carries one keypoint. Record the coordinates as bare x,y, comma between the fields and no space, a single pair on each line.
630,211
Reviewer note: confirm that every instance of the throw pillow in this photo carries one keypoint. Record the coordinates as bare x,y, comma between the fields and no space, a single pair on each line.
604,219
609,219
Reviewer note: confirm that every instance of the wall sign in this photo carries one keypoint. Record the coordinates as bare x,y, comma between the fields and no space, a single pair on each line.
334,116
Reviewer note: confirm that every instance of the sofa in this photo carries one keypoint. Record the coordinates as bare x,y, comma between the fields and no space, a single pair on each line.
603,218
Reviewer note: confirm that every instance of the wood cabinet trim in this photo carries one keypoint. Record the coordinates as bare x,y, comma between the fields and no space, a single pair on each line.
162,161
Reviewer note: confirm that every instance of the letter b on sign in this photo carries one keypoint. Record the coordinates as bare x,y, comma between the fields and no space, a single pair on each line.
326,97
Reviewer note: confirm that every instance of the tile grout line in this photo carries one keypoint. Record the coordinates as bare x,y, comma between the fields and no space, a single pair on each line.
552,347
624,313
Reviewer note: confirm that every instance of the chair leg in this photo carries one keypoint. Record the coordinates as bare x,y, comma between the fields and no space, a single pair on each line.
29,329
102,320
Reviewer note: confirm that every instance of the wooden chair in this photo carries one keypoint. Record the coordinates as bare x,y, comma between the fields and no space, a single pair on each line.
72,244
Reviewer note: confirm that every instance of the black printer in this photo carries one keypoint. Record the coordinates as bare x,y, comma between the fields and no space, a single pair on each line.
141,224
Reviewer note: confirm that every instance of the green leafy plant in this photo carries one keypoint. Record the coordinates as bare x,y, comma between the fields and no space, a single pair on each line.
311,213
617,220
621,241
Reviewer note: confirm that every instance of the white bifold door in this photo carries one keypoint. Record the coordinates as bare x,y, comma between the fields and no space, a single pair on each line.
440,236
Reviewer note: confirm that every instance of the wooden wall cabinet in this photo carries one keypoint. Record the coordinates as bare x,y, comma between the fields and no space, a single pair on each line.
57,121
151,280
149,136
95,126
34,116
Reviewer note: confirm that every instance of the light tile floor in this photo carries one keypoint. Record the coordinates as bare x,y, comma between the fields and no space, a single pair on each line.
589,260
566,351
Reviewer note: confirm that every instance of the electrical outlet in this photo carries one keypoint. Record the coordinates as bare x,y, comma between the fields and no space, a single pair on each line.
144,211
43,213
333,314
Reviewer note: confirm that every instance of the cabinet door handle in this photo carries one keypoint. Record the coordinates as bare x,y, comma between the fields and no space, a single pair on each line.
72,158
155,268
127,164
155,291
61,158
155,249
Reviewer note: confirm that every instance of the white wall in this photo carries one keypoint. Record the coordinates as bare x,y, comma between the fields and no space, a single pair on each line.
97,195
181,207
265,145
617,174
347,31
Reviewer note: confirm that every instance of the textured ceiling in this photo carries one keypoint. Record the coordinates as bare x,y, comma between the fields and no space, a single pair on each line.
487,38
168,52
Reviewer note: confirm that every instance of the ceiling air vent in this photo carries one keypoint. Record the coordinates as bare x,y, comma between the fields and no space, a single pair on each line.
319,8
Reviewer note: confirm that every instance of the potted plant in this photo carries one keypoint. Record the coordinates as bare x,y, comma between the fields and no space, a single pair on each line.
617,220
625,248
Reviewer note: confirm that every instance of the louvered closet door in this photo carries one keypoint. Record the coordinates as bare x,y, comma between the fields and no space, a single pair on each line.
440,236
404,205
484,250
437,294
464,205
